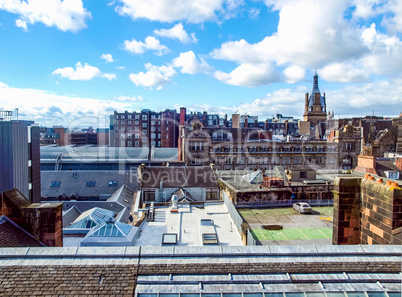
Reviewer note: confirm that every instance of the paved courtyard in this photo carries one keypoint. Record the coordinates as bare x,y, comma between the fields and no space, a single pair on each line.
285,226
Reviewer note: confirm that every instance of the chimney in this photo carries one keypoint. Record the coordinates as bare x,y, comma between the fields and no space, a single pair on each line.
182,115
306,103
235,121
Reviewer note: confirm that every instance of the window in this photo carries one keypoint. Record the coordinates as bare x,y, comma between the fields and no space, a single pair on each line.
113,183
153,135
196,160
275,160
169,238
137,116
128,122
209,238
212,196
144,117
196,146
144,125
55,184
349,146
303,174
90,183
286,160
137,143
122,143
137,136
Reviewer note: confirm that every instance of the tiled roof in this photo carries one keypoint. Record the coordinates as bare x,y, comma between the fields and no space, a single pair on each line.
128,271
12,235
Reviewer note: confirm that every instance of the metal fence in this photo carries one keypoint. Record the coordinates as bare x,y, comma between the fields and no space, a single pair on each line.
279,203
237,219
250,238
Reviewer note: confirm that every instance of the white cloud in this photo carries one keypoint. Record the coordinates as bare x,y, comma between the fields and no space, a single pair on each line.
249,75
21,24
310,34
129,99
253,13
82,72
189,64
351,101
195,11
139,47
294,74
154,77
177,32
107,57
48,108
344,73
67,15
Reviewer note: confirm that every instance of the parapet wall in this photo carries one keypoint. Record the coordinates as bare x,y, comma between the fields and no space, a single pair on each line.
366,211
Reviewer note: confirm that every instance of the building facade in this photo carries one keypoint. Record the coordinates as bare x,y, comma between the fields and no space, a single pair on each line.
20,158
145,129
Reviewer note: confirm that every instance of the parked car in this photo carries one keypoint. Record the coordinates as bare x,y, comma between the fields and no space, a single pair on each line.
302,207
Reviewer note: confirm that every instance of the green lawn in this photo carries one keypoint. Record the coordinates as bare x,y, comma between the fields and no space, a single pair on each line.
293,234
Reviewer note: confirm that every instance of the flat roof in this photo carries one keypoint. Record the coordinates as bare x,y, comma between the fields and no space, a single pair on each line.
186,224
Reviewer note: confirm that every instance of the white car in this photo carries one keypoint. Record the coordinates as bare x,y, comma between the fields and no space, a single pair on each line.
302,207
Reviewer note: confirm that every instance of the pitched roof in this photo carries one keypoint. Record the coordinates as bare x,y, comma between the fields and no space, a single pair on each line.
12,235
72,182
16,197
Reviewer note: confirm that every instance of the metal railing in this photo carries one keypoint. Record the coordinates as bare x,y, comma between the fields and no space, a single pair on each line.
283,203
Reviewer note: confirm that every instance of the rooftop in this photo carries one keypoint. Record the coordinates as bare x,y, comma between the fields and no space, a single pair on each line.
186,223
259,271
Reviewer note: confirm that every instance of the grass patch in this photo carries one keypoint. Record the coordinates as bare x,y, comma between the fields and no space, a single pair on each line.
293,234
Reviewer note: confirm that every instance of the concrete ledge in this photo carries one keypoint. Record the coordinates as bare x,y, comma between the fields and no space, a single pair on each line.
155,251
299,250
100,252
17,252
52,252
201,252
339,249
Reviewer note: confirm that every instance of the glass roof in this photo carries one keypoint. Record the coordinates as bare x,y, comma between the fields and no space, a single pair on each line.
112,229
93,217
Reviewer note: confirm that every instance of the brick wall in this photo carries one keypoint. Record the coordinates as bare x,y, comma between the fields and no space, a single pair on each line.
366,211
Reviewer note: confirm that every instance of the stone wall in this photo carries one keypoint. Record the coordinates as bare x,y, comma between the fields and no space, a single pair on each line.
366,211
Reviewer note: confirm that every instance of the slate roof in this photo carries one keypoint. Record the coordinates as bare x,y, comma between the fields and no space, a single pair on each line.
12,235
93,153
385,165
16,197
179,177
121,202
132,271
72,182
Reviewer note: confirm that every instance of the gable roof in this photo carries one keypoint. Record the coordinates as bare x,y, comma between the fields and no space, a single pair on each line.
12,235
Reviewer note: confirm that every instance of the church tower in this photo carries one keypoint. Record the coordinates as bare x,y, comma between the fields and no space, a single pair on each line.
315,113
315,109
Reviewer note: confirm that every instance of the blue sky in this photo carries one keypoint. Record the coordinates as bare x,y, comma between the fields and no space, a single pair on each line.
74,62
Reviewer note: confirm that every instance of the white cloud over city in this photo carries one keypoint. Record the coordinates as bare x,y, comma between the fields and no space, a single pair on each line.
67,15
82,72
196,11
150,44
